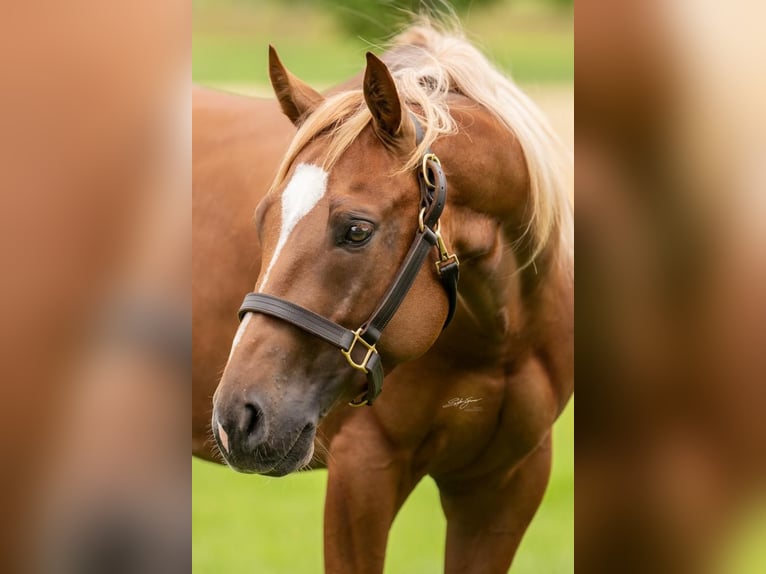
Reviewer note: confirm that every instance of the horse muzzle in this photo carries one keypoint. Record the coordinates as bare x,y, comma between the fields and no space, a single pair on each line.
251,441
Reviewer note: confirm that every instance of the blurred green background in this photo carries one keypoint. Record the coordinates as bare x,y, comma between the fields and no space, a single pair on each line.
531,39
244,523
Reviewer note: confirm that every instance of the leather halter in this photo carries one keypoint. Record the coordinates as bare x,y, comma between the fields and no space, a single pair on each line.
358,347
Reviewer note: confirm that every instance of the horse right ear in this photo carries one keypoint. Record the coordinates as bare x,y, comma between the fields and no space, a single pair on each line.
296,98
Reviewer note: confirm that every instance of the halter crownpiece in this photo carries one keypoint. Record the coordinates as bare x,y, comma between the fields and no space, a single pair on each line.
358,347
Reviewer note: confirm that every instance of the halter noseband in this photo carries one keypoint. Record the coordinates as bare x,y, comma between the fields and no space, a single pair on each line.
358,347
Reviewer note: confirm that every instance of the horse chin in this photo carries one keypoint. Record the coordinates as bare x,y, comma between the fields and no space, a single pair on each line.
289,464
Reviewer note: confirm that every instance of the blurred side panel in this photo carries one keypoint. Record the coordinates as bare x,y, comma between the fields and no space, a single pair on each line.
671,313
94,292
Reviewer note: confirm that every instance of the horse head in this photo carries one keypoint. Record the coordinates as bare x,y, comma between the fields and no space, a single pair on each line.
337,229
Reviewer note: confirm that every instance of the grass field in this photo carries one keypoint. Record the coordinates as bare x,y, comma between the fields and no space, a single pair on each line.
244,523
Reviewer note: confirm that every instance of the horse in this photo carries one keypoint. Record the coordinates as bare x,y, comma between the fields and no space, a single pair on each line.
359,349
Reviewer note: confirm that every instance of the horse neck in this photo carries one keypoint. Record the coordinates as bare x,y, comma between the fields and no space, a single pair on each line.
500,291
496,294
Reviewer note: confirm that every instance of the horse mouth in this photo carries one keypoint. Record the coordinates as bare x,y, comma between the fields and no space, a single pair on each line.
267,461
297,456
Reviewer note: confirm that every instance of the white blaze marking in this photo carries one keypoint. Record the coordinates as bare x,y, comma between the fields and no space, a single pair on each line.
240,331
306,188
224,438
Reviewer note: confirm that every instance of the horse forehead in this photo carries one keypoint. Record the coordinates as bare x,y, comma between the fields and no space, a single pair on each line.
369,178
367,158
303,191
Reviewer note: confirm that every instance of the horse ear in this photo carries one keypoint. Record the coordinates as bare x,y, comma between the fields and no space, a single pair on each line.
382,98
296,98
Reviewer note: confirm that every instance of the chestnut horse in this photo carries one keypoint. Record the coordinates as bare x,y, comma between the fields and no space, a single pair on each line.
433,155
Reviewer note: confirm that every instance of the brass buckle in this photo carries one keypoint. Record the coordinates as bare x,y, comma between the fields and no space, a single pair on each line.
442,262
444,254
370,350
432,157
359,401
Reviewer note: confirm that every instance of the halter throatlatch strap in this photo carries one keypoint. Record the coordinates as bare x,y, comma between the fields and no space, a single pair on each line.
358,347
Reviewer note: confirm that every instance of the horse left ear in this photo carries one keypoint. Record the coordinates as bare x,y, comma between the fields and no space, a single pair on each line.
382,99
296,98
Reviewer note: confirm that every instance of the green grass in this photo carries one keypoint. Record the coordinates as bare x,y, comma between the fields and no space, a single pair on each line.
230,37
244,523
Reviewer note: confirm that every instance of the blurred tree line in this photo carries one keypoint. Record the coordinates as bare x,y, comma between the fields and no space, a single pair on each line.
376,19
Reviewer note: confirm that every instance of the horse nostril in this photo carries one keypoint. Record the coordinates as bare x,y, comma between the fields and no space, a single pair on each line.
241,426
252,419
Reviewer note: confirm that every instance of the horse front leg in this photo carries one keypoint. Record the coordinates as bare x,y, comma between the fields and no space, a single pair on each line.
367,484
487,516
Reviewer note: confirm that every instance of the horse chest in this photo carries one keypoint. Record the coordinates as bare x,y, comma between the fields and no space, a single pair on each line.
489,420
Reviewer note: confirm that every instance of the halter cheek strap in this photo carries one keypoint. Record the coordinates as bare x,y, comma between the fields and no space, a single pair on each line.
358,347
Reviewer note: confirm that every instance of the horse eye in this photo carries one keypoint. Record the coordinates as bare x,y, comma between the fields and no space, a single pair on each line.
359,232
